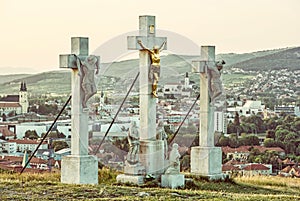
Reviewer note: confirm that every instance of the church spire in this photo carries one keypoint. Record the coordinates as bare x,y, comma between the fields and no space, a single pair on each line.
23,86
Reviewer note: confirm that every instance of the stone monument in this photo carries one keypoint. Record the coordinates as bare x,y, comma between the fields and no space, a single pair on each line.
206,159
79,167
151,150
172,177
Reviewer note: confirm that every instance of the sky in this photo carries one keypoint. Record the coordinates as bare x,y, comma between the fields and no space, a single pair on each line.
33,32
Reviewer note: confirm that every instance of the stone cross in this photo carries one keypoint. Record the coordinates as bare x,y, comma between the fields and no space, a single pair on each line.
151,150
79,167
206,160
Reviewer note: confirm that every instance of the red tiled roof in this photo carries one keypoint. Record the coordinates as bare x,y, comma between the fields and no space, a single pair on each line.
287,169
4,130
245,149
242,149
230,168
19,159
287,161
234,162
26,141
2,105
10,98
255,167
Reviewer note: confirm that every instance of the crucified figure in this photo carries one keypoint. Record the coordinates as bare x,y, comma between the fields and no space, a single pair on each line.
215,87
87,77
155,64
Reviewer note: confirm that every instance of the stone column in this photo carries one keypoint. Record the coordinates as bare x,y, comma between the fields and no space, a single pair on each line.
206,159
151,154
79,167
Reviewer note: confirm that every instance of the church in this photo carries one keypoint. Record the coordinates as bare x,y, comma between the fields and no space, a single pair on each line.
16,104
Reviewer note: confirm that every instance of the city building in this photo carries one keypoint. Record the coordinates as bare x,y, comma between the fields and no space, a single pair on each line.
16,104
287,109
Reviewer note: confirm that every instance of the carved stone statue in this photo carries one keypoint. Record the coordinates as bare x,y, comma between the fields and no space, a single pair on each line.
155,65
133,140
215,83
174,156
162,135
87,77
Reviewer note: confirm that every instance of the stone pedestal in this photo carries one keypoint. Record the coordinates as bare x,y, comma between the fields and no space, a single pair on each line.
136,169
206,162
133,179
79,170
172,180
152,156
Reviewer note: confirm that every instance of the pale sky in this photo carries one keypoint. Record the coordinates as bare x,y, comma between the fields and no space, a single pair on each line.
34,32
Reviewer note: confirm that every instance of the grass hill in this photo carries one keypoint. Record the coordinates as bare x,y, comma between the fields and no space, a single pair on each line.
47,186
286,58
172,70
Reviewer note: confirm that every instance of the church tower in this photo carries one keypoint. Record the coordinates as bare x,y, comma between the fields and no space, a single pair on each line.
23,98
186,81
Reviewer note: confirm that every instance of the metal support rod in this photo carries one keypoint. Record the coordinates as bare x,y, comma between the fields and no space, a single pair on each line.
115,117
184,119
32,155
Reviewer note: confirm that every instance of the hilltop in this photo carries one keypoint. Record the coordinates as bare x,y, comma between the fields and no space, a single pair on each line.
172,70
284,59
47,186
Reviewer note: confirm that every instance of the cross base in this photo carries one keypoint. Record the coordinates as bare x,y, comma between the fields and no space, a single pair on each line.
133,179
172,180
79,170
207,162
152,156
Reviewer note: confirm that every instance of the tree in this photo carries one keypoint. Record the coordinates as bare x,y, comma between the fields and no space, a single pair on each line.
280,134
270,134
223,141
249,140
58,145
269,142
31,134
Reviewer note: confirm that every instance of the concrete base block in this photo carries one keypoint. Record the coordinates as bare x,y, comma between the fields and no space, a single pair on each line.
152,156
79,170
136,169
207,162
133,179
172,180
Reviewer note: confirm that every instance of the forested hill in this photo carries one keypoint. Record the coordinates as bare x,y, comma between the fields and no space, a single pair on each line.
173,68
287,58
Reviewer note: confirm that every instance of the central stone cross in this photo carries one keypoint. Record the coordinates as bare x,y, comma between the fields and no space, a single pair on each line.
151,150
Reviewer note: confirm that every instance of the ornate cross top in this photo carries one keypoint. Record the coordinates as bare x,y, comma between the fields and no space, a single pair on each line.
80,60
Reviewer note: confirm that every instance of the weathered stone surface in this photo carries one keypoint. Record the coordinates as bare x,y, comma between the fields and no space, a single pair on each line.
172,180
79,170
206,161
133,179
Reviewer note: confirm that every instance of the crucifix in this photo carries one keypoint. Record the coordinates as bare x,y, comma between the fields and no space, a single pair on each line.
206,159
79,167
151,150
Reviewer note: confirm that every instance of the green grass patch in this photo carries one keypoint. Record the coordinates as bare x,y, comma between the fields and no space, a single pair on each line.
47,186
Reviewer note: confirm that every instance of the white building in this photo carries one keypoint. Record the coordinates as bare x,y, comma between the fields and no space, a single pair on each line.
220,122
9,147
15,103
30,145
249,108
287,109
63,126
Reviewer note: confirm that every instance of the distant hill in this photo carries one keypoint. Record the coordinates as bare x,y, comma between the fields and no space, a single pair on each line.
41,83
287,58
9,78
173,69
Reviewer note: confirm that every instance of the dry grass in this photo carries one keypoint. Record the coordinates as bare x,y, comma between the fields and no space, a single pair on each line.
14,186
